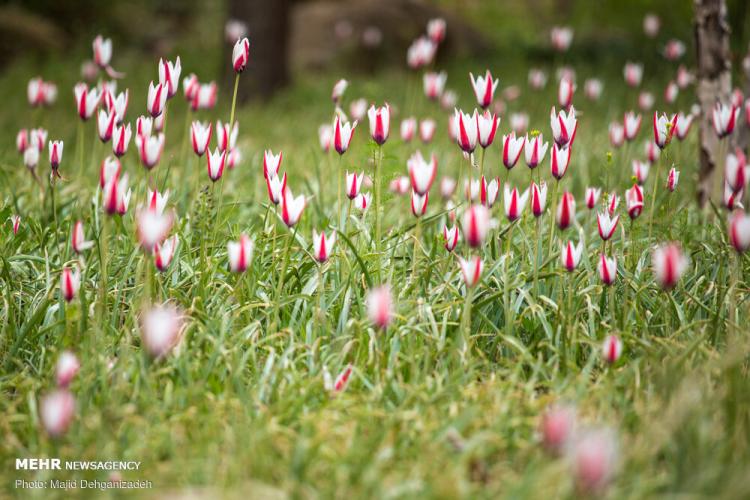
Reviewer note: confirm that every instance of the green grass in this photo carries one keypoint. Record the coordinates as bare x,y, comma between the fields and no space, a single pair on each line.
240,408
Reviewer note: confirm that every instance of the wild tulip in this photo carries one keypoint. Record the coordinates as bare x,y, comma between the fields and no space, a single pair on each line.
427,130
276,186
156,99
234,156
558,427
484,88
144,125
161,329
732,198
35,92
592,89
55,155
354,184
606,224
724,119
487,124
671,92
471,270
634,201
682,125
116,195
421,173
633,73
512,148
380,123
22,140
358,109
118,105
421,52
537,79
739,231
651,25
645,101
121,140
614,201
564,126
489,192
434,84
169,76
15,221
436,29
66,369
102,51
664,128
338,90
450,238
240,55
86,100
467,131
110,168
736,170
226,138
380,306
592,197
594,457
291,207
419,203
476,225
157,201
400,185
535,150
31,157
538,198
570,255
631,125
607,268
150,149
204,97
342,135
190,85
674,49
78,238
38,138
323,245
240,253
561,37
640,171
684,77
566,211
152,228
57,410
216,162
473,189
408,128
164,252
559,161
673,178
669,264
514,202
616,134
106,125
652,152
362,201
342,380
565,92
519,123
736,99
200,136
325,136
70,282
449,99
271,163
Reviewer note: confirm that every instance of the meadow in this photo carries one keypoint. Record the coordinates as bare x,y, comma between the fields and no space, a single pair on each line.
246,390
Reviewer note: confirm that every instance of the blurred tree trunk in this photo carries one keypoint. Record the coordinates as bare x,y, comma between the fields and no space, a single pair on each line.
268,31
714,83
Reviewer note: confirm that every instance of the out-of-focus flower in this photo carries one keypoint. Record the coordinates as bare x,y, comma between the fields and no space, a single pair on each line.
362,201
380,123
671,92
110,168
152,227
342,380
645,101
421,173
664,128
673,177
427,130
419,203
70,282
291,207
408,128
484,88
682,125
634,201
234,29
161,329
240,55
607,268
476,225
325,136
157,201
55,155
519,123
724,119
121,139
86,100
489,191
512,148
400,185
593,457
537,79
614,200
561,37
565,92
57,410
514,202
732,199
640,171
150,149
616,134
15,221
31,157
611,348
106,125
169,75
204,96
434,84
66,368
449,99
102,51
471,270
276,186
652,152
226,137
164,252
116,195
651,24
684,77
633,73
380,306
450,238
557,427
674,49
736,170
78,238
592,89
358,109
669,264
570,255
631,125
739,231
338,90
436,29
421,52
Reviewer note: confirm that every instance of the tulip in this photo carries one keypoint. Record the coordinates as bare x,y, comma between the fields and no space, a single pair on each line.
519,123
408,128
487,124
66,369
736,170
682,125
400,185
31,157
558,427
652,152
421,173
102,51
121,139
668,264
421,52
169,75
291,207
164,252
338,90
190,86
427,130
673,178
156,100
118,106
449,99
358,109
473,189
362,201
116,195
22,140
535,150
380,123
342,135
663,129
607,269
561,37
732,199
240,253
157,201
450,238
674,49
354,184
538,198
38,138
489,191
240,55
86,100
616,134
323,246
671,92
476,224
110,168
106,125
514,202
35,91
634,201
70,282
592,197
55,155
276,186
471,270
607,224
325,135
200,134
593,456
651,25
565,92
614,200
380,306
566,211
150,149
640,171
724,119
739,231
633,73
537,79
161,329
559,161
684,77
204,97
631,125
342,380
152,227
436,29
57,410
564,126
512,148
570,255
78,238
226,138
467,131
592,89
434,84
15,222
144,125
447,187
736,99
419,203
645,101
234,156
216,162
484,88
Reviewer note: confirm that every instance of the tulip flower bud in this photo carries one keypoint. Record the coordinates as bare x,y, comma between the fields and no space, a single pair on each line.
633,74
450,238
342,135
240,55
514,202
161,329
538,198
216,162
66,369
557,427
668,264
535,150
57,410
434,84
354,184
673,178
380,306
612,347
343,379
70,282
607,268
291,207
484,88
592,197
121,140
564,126
476,224
436,29
566,211
471,270
169,76
419,203
634,201
164,252
55,155
78,239
240,253
156,99
200,134
15,222
570,255
323,246
561,37
380,121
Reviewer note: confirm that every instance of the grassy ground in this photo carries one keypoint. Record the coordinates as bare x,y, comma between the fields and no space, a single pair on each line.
241,407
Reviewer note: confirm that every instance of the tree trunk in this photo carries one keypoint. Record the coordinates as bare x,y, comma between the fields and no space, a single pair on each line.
714,83
743,137
268,31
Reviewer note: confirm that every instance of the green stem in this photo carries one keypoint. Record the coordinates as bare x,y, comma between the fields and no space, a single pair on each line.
415,252
103,258
280,283
339,175
653,194
465,339
234,101
506,284
377,210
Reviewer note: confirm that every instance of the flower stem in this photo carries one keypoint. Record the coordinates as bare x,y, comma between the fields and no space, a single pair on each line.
653,195
377,209
506,284
280,283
